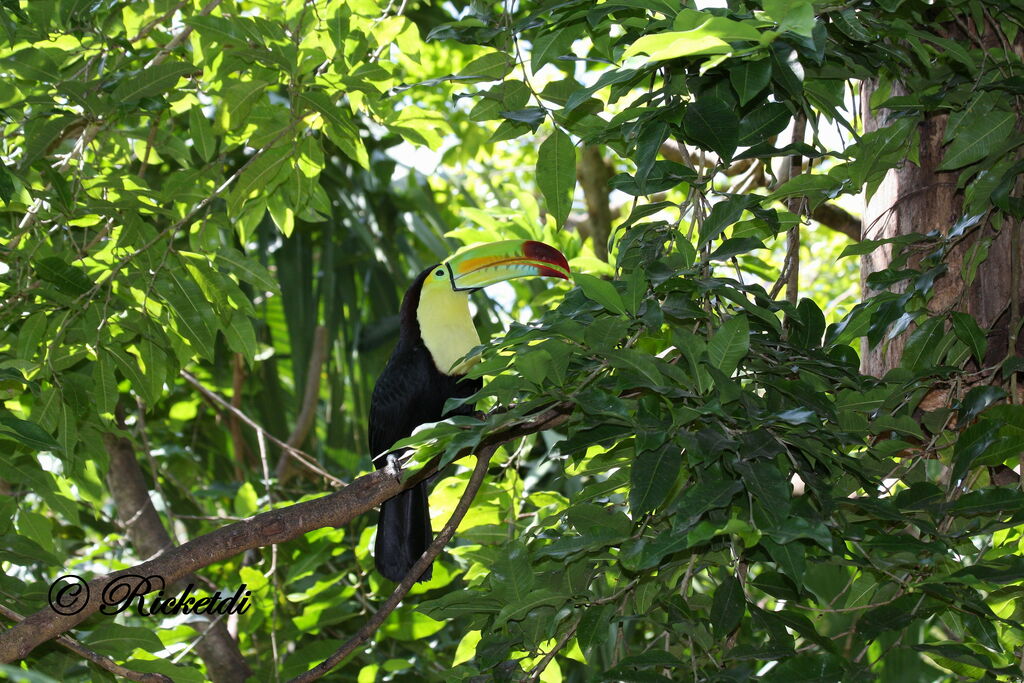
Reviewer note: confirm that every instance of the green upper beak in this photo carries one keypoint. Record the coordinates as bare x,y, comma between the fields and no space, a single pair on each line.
485,264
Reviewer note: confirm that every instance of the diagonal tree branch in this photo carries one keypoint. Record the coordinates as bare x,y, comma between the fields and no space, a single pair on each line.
276,526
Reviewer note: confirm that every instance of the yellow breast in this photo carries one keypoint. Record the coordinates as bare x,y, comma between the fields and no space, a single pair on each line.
447,328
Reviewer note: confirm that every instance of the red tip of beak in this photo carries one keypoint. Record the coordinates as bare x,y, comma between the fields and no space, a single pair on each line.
538,251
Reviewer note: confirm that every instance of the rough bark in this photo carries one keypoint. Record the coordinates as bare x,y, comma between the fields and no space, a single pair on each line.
916,197
911,198
594,173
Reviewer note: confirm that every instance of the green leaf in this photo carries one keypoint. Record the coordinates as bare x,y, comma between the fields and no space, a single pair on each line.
6,185
610,77
673,44
729,344
556,174
605,523
972,444
191,309
750,78
957,658
735,246
340,128
119,641
817,188
33,64
520,609
41,132
28,433
967,330
534,365
605,332
640,363
596,626
246,501
531,116
247,269
763,123
466,603
25,552
706,495
67,278
220,29
128,366
601,291
792,15
203,140
846,21
153,81
722,215
241,336
769,488
36,528
104,388
977,139
258,177
511,574
30,335
549,46
712,124
489,67
652,476
977,400
922,346
727,607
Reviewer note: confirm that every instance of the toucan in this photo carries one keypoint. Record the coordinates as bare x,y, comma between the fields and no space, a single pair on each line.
428,367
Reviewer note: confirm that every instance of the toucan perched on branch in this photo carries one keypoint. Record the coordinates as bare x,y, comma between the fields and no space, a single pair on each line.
427,368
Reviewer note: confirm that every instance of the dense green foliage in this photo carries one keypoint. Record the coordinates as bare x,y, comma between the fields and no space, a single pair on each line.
198,190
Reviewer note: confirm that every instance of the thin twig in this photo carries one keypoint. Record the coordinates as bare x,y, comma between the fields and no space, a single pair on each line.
562,642
483,458
294,452
148,28
180,37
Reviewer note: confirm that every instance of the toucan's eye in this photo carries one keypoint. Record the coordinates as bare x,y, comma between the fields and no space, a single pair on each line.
439,273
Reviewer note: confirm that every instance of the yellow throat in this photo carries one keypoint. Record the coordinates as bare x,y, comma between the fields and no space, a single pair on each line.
446,326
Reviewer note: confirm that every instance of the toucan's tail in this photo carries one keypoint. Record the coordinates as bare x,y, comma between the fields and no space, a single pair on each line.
403,533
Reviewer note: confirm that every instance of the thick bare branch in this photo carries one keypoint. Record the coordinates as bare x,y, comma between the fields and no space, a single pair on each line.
838,219
276,526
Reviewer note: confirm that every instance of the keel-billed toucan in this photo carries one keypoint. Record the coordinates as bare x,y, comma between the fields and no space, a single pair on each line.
426,369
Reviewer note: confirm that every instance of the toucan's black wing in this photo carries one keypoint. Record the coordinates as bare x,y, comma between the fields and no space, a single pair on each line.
410,392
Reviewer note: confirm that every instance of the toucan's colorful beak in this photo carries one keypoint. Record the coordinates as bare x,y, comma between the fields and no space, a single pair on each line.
485,264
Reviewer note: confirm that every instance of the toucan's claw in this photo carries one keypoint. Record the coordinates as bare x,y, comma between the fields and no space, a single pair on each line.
394,467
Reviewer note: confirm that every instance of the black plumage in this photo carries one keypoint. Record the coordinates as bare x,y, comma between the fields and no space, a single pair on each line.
411,391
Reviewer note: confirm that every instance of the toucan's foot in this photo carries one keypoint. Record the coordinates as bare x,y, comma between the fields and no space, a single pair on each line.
393,466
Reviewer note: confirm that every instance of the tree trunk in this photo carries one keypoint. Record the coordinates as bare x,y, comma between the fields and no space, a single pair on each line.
919,198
